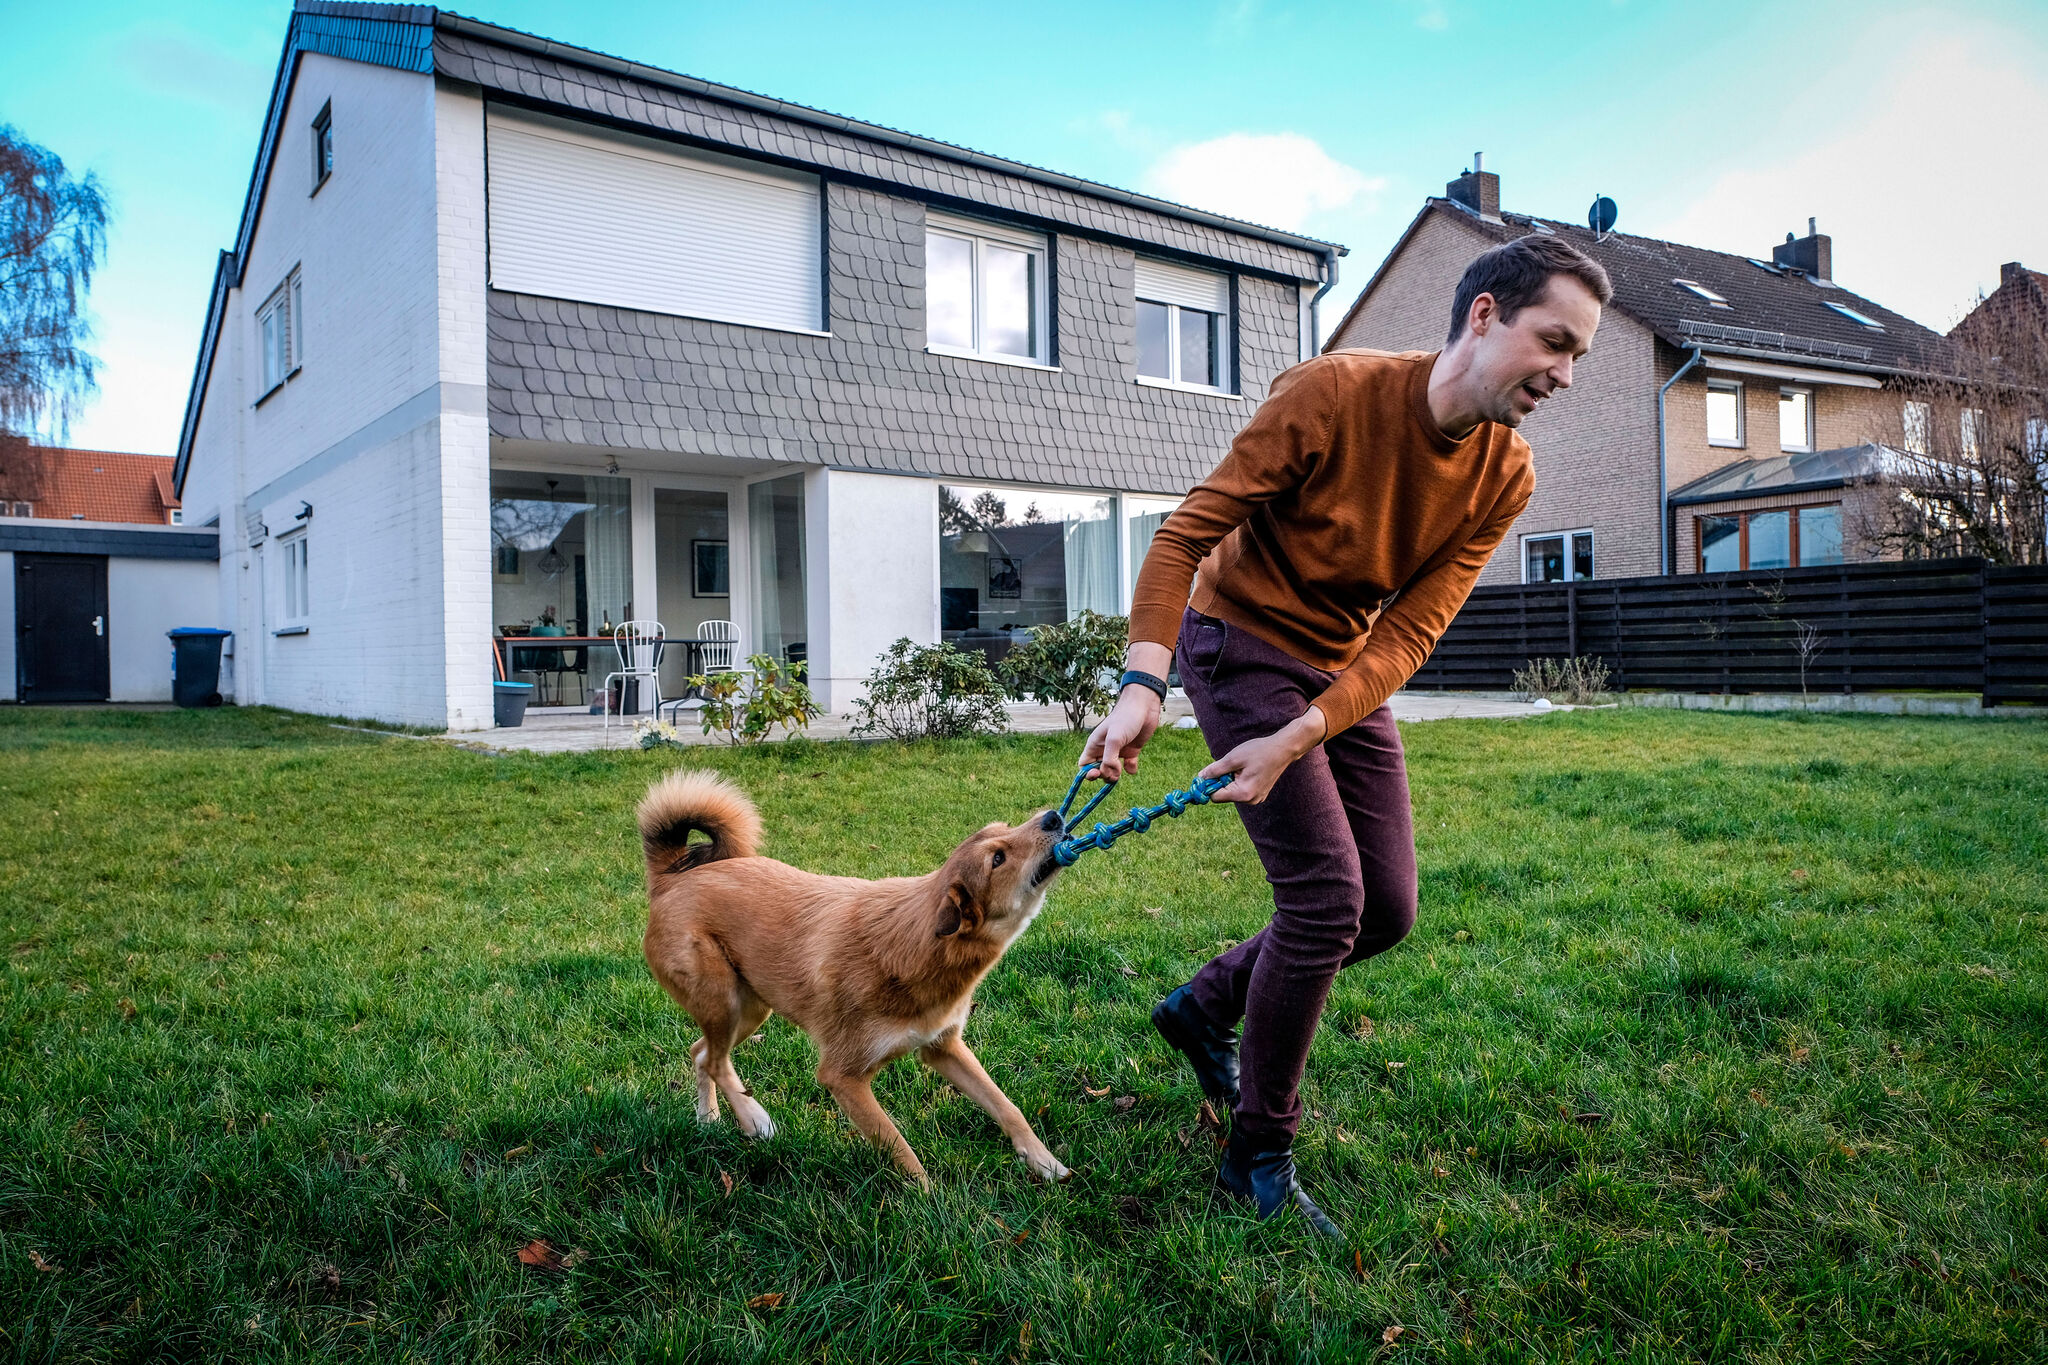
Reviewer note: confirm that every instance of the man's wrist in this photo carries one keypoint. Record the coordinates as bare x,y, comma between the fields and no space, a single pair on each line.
1138,677
1306,731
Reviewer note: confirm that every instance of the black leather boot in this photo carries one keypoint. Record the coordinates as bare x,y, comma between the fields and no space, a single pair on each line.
1210,1050
1261,1169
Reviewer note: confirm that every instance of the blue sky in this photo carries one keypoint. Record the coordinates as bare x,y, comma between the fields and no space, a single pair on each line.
1913,133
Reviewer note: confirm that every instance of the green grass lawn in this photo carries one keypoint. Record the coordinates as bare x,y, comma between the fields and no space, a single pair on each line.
1721,1037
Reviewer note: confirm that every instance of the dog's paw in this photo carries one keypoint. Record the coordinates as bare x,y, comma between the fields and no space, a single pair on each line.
1045,1166
754,1121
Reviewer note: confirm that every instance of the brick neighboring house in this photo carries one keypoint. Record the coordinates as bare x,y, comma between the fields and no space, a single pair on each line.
99,485
685,353
1772,384
2019,305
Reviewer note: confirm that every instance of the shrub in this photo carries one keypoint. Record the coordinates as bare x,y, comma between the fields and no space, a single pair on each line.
1073,664
935,691
1576,682
745,707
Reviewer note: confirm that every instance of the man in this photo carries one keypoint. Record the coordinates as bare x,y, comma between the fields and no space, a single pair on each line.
1335,543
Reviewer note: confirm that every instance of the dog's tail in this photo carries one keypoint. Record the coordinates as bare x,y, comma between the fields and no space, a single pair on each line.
687,801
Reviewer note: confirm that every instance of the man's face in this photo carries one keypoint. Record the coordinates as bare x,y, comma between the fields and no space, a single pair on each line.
1515,366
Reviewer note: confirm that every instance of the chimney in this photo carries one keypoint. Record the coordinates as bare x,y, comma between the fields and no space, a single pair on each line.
1812,254
2012,272
1477,189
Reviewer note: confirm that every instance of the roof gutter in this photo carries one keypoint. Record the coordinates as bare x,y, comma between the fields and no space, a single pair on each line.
1663,470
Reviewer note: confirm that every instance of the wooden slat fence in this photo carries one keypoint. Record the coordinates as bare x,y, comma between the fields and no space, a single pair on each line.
1951,625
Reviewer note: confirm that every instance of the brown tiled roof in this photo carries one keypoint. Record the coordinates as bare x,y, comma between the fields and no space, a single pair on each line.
106,485
1771,312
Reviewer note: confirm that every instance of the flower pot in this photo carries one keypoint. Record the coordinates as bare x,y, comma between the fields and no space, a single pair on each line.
508,702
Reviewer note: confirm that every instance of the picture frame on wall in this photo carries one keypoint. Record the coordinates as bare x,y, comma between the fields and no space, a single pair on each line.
710,569
1005,577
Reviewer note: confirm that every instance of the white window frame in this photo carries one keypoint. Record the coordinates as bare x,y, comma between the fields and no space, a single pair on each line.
297,606
1741,412
287,305
1698,290
1860,319
1129,507
982,235
1811,418
1916,426
1566,537
1226,343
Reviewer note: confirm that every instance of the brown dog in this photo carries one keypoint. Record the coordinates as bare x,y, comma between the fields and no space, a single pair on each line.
871,970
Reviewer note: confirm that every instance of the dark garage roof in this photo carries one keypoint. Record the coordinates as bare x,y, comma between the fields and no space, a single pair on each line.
1797,473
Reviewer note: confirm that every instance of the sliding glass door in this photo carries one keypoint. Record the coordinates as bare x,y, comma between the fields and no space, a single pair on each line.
775,531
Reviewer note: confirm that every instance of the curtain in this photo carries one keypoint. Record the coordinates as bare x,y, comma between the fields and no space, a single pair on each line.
608,548
775,522
1091,566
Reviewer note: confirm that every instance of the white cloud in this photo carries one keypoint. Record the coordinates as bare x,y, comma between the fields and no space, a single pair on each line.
1278,179
1922,159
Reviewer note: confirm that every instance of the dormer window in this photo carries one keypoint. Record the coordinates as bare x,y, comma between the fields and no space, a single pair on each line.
1850,313
1695,287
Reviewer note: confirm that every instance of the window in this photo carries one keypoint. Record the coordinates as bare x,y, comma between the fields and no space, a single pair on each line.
1970,427
297,599
1795,419
1693,287
1011,559
323,145
1915,423
2037,438
1142,519
1777,538
280,334
579,212
1544,557
1859,319
984,290
177,516
1724,412
1183,326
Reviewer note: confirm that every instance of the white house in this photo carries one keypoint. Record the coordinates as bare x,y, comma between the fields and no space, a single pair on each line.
509,326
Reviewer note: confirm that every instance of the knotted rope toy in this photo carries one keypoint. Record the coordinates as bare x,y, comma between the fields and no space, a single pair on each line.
1068,850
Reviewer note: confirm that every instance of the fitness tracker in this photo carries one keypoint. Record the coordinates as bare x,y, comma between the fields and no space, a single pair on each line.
1153,681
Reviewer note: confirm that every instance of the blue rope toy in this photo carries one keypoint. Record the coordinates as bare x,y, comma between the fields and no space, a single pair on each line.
1068,851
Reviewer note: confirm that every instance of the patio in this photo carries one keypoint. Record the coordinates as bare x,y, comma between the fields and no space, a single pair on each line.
565,730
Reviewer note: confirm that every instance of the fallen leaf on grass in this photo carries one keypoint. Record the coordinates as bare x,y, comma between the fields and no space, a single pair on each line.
127,1008
1358,1264
726,1180
1366,1028
1392,1335
1128,971
1396,1066
1024,1337
523,1149
1800,1054
1093,1093
1471,1151
1125,1103
765,1301
327,1276
756,1037
1979,969
1588,1118
35,1258
1440,1173
1155,909
1893,1093
540,1254
1757,1097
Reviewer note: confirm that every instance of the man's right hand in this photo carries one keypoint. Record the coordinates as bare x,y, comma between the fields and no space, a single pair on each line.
1123,732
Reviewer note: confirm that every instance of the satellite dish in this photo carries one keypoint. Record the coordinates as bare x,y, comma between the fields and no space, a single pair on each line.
1601,216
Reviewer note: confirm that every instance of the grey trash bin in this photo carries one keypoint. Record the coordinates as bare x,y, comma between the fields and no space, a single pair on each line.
508,702
195,665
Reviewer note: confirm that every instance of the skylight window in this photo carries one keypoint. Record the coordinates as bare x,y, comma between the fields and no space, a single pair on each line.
1694,287
1850,313
1765,265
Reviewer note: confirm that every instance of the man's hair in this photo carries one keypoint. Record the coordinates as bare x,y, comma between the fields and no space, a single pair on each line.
1518,272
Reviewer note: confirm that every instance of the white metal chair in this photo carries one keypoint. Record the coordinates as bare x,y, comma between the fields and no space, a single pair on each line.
718,647
639,646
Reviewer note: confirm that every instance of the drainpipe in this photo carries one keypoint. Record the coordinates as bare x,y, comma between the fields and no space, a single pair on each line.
1663,486
1315,342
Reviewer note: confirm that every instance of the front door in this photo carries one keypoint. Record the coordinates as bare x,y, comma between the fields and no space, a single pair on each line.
60,613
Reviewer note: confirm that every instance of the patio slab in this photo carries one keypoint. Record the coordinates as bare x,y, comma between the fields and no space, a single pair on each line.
568,730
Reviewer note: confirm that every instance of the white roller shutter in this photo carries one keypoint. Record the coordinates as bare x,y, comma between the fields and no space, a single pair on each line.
1164,283
583,213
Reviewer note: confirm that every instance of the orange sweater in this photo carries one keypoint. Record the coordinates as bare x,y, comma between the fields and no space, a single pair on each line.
1340,494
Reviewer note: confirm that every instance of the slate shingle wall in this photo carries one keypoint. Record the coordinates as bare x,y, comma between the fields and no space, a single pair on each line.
869,396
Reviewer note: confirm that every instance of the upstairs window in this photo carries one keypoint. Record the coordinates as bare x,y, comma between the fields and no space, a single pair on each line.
1183,326
1701,291
1915,422
1724,412
323,145
17,509
1795,419
280,334
1970,423
984,289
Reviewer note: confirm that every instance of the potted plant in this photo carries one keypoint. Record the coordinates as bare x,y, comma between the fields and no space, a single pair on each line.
546,624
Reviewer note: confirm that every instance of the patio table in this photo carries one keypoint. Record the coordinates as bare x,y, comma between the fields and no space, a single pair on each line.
505,649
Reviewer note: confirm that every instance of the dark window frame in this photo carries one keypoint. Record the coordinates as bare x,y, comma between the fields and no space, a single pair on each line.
323,146
1742,516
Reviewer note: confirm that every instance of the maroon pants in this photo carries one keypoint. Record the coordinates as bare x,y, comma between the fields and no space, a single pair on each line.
1338,843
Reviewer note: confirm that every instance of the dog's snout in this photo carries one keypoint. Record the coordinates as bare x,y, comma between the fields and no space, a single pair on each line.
1049,821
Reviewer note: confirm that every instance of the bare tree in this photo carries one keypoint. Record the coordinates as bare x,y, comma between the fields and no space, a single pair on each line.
53,230
1965,461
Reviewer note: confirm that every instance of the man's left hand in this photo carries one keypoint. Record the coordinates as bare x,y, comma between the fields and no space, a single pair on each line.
1257,764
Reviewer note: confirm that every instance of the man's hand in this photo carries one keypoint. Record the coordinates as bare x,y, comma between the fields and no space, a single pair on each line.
1257,764
1130,723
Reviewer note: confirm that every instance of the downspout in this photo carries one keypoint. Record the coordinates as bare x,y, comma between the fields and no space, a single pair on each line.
1315,341
1663,485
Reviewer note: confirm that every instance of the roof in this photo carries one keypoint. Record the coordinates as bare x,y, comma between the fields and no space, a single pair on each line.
1796,473
1770,312
106,485
405,37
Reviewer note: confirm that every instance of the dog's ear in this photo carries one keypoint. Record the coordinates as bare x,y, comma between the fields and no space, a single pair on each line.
960,911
